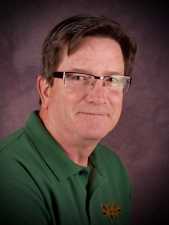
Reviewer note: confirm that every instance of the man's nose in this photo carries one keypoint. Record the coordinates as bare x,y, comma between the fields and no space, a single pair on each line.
97,92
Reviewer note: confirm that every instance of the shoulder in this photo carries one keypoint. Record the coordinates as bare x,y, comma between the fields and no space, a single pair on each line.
16,150
18,187
111,163
17,162
15,143
108,154
11,140
11,148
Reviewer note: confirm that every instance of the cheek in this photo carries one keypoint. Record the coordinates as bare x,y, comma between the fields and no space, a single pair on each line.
115,101
67,104
116,107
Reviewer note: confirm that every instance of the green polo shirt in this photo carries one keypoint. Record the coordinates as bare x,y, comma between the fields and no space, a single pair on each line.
40,185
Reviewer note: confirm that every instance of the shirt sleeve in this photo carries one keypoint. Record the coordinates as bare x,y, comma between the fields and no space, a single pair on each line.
20,201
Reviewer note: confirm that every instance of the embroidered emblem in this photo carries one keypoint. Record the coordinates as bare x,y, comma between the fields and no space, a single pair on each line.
111,210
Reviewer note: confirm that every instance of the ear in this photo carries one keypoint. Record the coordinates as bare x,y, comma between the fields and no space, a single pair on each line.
44,89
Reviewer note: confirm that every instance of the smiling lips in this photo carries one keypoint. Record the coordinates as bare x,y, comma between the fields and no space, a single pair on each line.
93,114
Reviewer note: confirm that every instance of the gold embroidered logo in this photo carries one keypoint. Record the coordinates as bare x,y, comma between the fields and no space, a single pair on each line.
111,210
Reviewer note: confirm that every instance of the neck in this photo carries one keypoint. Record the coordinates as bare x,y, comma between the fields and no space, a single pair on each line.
76,148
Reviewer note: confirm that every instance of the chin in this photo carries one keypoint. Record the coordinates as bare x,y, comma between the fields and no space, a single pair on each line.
93,134
94,128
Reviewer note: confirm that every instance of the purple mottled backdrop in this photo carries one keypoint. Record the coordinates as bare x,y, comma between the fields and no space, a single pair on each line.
142,137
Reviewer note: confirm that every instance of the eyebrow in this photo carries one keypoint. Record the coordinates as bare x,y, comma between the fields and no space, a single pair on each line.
106,73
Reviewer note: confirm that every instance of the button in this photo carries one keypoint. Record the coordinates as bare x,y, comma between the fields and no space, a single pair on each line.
83,172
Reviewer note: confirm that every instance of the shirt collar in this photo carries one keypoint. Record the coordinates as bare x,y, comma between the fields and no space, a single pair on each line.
52,153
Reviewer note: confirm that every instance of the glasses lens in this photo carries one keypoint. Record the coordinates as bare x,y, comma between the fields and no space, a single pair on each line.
76,81
84,82
117,82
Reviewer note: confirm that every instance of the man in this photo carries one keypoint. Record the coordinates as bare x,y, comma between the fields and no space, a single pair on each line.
54,171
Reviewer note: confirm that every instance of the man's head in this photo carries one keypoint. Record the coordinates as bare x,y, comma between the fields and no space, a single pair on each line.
71,31
86,45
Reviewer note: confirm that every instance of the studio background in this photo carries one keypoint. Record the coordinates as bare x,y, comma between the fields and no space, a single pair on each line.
141,138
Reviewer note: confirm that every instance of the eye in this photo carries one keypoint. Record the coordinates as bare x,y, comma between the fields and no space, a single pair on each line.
72,76
112,79
109,79
80,77
115,81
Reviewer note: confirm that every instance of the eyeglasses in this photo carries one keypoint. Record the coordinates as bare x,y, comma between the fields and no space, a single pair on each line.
84,82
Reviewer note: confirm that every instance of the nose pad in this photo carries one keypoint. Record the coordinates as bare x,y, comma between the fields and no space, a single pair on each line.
96,82
93,83
97,92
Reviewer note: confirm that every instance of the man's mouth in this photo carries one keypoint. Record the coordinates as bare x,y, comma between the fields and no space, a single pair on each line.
93,114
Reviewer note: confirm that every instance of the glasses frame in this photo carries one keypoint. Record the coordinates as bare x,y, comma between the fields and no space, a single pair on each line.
62,75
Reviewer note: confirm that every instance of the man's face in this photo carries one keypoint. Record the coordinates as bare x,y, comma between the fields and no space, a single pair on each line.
87,115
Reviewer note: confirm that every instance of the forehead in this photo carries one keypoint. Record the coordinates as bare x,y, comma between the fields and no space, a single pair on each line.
94,54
